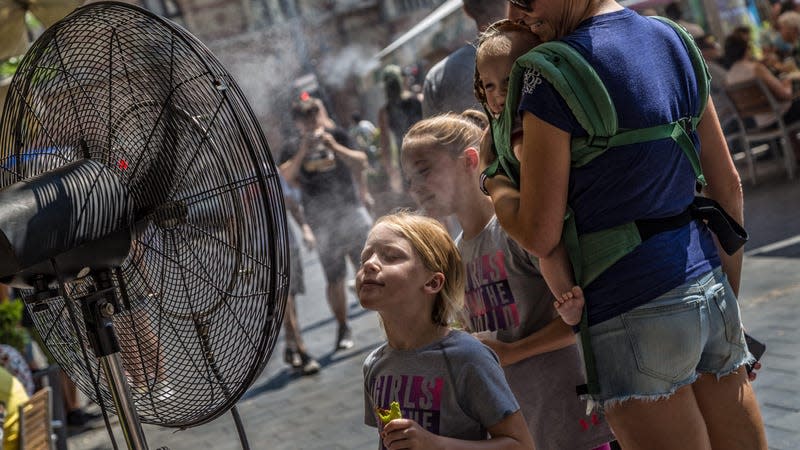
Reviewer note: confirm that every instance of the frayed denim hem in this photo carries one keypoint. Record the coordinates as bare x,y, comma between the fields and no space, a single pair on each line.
747,359
600,406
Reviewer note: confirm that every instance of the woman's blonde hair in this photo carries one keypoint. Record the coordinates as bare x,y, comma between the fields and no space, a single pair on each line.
450,132
438,253
502,38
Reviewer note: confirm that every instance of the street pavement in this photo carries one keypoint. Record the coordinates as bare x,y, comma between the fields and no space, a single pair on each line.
283,411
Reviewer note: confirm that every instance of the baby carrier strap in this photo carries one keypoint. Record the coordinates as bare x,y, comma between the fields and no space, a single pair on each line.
586,96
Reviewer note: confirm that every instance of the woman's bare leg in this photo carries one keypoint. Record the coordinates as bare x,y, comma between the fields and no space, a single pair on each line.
667,424
731,411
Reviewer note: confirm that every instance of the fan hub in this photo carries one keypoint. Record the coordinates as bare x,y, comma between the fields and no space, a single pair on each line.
171,215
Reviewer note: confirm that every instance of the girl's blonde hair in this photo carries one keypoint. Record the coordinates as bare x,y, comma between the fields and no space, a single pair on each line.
450,132
502,38
438,253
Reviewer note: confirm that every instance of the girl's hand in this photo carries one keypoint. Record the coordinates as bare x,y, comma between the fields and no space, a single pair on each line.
504,350
407,434
487,150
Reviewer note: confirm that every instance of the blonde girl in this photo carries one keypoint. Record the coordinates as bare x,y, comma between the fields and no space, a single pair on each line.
505,292
449,387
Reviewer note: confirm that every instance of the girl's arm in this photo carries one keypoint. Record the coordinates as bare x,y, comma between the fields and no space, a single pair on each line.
511,433
553,336
534,214
724,184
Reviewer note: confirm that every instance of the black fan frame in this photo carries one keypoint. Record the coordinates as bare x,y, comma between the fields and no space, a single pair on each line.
13,128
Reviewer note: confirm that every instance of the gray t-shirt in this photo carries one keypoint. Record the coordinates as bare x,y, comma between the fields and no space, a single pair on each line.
452,387
449,84
507,294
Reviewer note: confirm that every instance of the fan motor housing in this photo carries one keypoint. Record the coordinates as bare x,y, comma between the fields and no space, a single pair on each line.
72,217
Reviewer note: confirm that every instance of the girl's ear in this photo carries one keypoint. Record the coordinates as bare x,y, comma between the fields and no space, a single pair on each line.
435,283
472,158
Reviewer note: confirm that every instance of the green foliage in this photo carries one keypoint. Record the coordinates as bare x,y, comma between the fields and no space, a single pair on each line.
11,332
9,67
32,22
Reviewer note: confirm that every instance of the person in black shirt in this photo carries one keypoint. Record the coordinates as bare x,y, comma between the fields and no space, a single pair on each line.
326,168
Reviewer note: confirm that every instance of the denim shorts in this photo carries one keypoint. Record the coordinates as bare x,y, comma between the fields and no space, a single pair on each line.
651,351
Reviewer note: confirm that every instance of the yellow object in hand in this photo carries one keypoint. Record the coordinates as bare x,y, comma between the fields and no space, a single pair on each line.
388,415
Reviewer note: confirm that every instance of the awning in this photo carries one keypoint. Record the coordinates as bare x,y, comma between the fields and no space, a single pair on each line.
431,19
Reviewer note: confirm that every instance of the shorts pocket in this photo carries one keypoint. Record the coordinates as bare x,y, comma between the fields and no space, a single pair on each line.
666,339
721,301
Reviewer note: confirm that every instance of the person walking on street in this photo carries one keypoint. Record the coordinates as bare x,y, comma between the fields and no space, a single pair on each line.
326,168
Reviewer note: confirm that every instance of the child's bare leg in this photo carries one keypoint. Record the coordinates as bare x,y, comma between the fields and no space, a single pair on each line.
570,305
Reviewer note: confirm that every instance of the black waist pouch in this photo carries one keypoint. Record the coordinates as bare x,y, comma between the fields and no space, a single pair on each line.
730,234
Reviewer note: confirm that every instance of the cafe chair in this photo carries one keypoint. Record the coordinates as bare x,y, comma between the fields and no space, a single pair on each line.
733,128
751,98
35,422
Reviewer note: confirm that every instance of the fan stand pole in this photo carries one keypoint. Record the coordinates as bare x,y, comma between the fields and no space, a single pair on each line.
98,310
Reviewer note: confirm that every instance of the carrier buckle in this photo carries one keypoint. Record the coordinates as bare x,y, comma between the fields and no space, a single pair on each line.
598,142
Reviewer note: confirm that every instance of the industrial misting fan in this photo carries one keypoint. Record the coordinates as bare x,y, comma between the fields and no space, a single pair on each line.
142,217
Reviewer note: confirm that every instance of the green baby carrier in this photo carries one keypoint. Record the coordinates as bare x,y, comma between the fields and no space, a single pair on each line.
586,96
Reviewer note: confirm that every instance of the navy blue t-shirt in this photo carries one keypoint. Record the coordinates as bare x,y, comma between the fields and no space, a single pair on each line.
646,69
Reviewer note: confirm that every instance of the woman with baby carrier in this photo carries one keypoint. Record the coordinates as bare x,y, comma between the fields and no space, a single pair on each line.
619,134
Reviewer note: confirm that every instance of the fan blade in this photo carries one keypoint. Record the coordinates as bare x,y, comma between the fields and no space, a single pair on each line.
155,184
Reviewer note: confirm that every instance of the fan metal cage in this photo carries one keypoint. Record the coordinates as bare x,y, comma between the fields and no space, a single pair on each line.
204,286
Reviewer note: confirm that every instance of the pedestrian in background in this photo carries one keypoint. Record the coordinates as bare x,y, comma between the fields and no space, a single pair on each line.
448,84
401,110
326,168
295,353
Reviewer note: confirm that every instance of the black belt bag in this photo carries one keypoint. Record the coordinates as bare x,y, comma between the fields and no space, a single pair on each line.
730,234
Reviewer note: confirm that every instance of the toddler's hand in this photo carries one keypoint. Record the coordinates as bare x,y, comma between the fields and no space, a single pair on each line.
752,374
